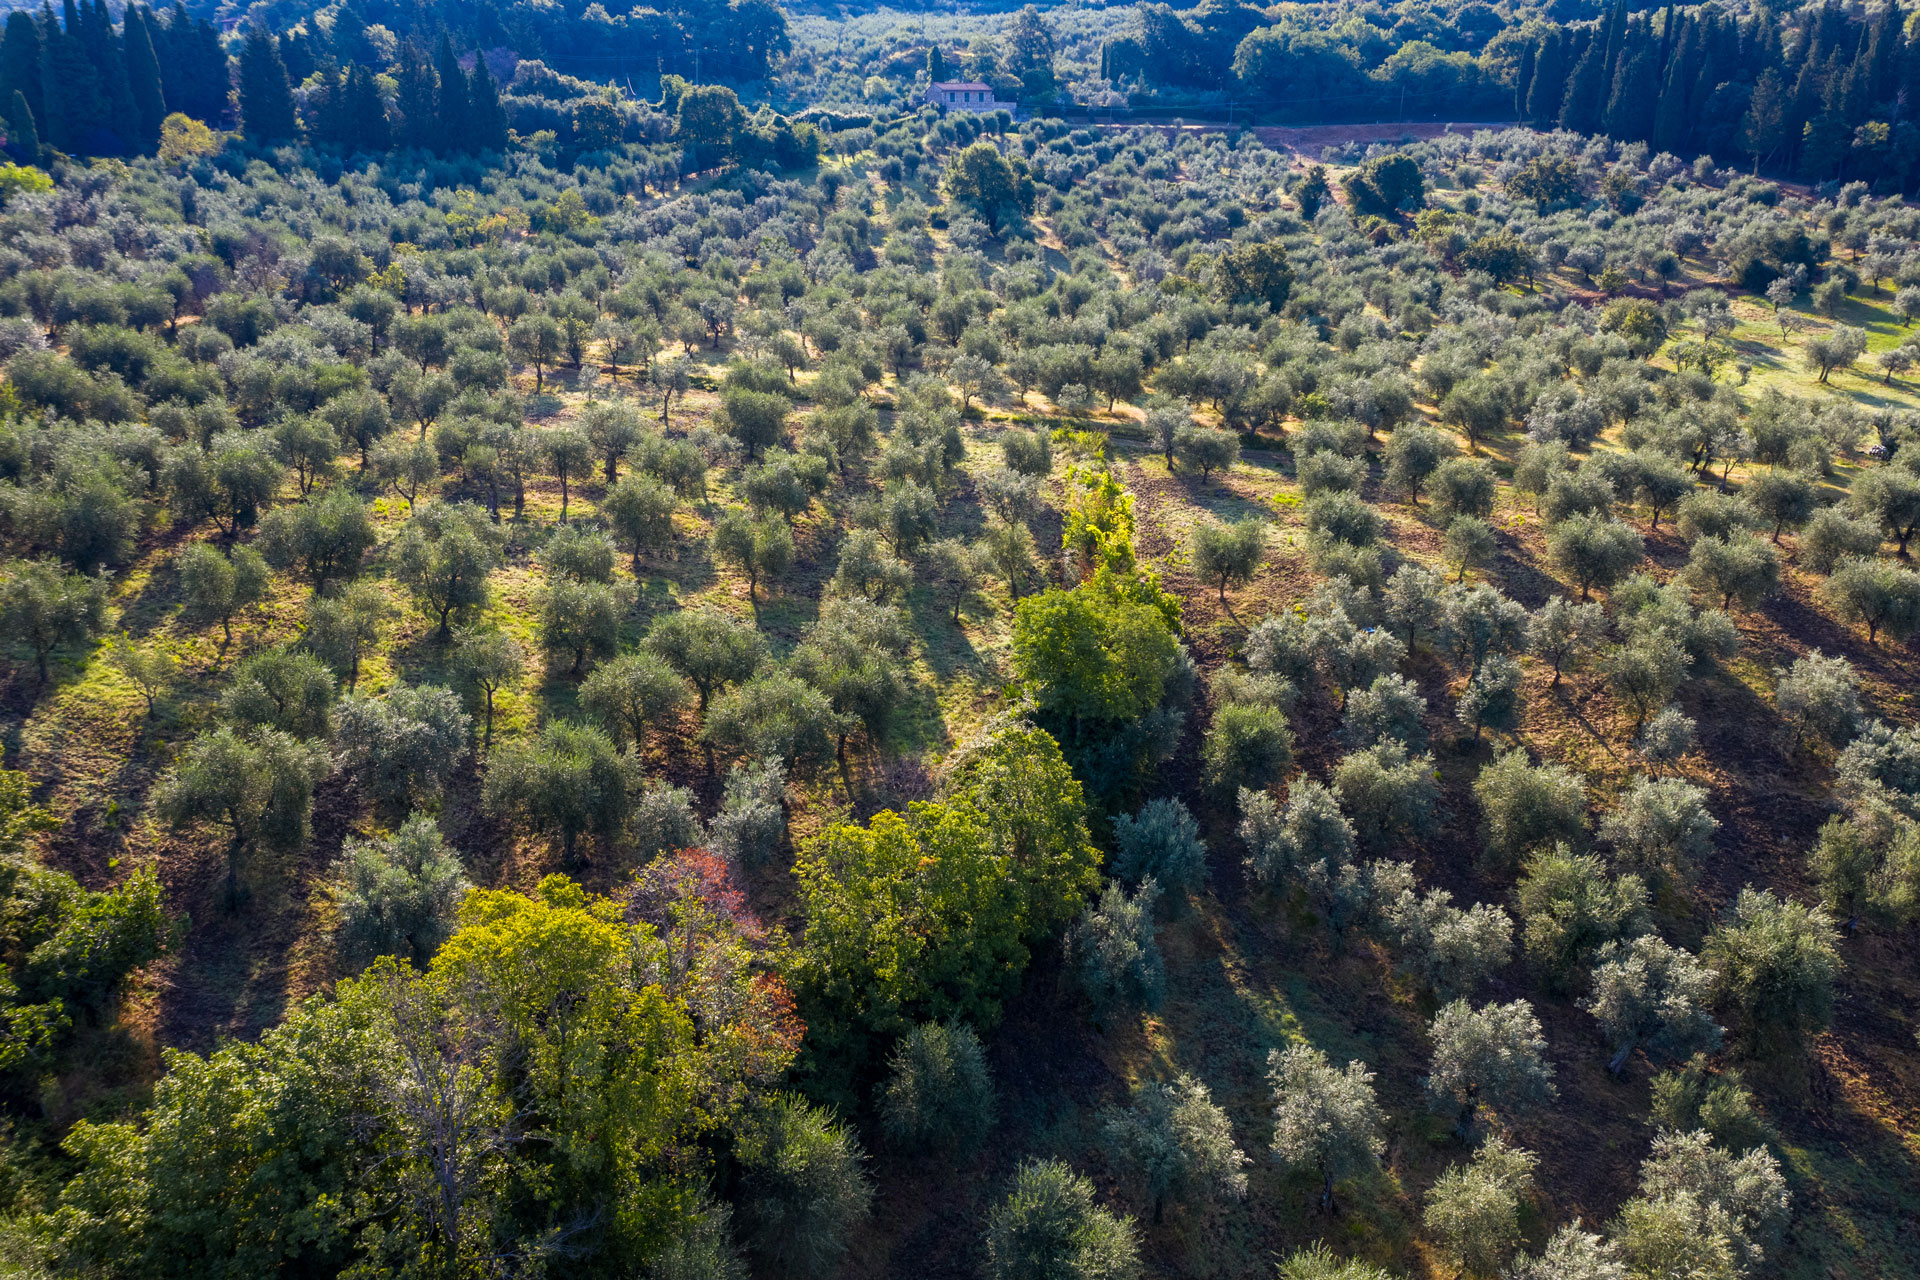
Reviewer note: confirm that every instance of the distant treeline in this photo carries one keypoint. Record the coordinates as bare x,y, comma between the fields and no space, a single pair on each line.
1820,92
360,81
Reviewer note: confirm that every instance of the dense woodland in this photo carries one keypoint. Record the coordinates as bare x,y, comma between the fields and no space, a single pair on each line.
599,684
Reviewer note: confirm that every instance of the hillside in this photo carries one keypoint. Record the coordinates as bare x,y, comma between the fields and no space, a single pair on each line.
613,712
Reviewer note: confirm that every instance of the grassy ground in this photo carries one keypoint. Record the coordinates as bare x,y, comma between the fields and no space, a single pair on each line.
1244,975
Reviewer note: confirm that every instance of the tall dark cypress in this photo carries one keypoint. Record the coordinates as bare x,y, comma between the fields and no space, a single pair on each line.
1549,88
110,65
488,119
71,90
416,98
1672,118
366,114
1522,78
143,79
1585,105
266,99
23,135
213,74
20,63
452,126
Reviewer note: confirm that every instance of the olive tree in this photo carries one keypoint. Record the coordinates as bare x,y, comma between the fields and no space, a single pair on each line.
1525,807
1570,908
1162,843
1325,1119
1228,554
802,1188
708,648
47,607
633,692
259,785
1388,794
1652,996
403,746
1048,1225
1774,962
1115,954
1474,1208
397,895
221,586
938,1095
1819,698
569,782
444,555
1177,1144
1487,1058
1660,827
1447,949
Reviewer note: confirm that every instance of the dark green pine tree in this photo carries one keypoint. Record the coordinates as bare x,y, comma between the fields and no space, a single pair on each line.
266,99
415,98
487,119
452,125
143,79
365,114
20,63
23,136
75,109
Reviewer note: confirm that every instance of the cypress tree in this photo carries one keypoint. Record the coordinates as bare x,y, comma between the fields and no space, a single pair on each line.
1549,88
365,113
20,63
1586,99
266,99
1672,118
143,79
213,77
487,119
416,98
23,136
75,109
1522,79
110,66
452,126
